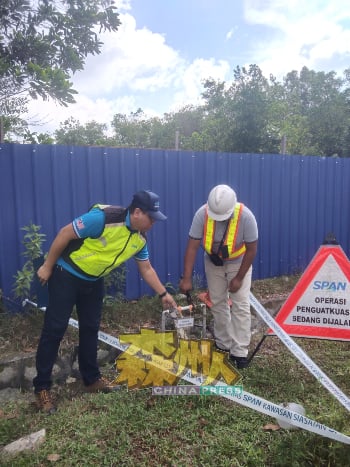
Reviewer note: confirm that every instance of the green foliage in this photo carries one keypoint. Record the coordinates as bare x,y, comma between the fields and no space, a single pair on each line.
32,241
315,116
12,107
43,43
251,115
23,281
132,131
37,138
73,133
114,284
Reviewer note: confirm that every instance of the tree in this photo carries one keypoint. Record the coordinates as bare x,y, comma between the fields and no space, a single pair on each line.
44,42
12,107
132,130
217,115
237,113
250,93
135,130
286,119
37,138
318,112
187,121
73,133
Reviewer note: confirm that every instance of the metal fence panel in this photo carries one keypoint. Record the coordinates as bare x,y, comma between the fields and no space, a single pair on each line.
297,200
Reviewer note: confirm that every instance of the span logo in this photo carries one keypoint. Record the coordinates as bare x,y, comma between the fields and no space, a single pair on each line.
331,286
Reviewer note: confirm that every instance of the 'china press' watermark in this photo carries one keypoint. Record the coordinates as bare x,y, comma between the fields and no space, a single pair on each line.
191,390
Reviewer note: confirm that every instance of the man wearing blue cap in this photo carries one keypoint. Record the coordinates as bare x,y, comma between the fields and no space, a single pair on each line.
82,253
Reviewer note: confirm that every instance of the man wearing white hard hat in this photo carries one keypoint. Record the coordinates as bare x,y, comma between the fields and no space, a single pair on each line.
228,232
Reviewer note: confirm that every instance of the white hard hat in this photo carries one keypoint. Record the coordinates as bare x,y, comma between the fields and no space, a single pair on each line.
221,202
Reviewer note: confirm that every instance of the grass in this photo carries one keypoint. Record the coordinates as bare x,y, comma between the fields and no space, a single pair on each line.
128,428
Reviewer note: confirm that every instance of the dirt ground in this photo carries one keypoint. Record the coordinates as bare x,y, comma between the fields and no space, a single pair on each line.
275,288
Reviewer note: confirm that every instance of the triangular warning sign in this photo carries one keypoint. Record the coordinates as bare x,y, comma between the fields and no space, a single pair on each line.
319,305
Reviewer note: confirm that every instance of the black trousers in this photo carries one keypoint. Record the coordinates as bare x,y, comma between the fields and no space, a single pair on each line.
65,292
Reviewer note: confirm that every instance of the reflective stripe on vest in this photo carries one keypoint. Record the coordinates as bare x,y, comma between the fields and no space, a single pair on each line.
231,234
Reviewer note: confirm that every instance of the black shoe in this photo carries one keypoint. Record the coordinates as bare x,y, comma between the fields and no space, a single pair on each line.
240,362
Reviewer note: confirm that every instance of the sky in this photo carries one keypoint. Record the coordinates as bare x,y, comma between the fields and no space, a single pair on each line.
165,49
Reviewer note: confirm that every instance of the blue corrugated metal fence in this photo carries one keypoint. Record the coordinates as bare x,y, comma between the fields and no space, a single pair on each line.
297,200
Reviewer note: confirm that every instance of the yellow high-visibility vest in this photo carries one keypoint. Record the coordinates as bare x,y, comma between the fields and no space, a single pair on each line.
235,251
96,257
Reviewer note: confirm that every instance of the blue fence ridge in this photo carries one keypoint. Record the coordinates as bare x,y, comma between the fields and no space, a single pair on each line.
297,201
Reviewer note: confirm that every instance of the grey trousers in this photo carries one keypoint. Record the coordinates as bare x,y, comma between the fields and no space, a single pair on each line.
232,324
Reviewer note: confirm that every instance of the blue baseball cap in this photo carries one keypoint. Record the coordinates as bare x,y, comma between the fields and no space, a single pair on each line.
149,203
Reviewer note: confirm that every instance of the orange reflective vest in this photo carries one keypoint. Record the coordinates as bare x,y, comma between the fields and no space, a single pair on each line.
230,237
